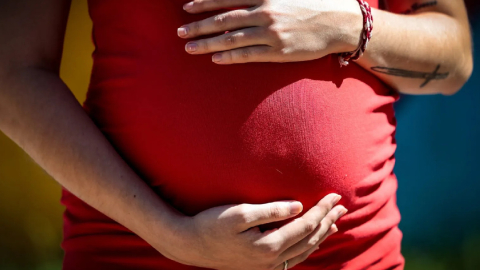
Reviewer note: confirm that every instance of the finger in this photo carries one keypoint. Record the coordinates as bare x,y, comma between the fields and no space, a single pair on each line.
318,236
198,6
293,232
293,261
246,216
236,19
232,40
261,53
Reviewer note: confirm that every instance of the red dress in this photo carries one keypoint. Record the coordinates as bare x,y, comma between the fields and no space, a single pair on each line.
203,135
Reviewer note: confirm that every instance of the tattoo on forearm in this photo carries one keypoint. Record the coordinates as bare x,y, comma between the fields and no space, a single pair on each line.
418,6
413,74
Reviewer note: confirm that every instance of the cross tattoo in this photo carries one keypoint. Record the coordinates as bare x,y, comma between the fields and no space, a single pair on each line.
413,74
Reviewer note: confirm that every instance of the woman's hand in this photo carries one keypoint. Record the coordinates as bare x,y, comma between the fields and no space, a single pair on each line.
274,30
227,237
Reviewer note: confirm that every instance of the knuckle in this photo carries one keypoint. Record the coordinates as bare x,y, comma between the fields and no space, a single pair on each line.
243,213
313,242
285,51
271,29
195,27
274,31
246,54
230,40
205,46
267,14
242,208
275,211
220,20
272,251
225,19
229,56
309,226
268,250
329,220
235,14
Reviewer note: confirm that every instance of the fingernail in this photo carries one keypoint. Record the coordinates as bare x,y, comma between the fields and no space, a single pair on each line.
188,6
217,58
182,31
295,208
317,248
191,47
336,199
342,212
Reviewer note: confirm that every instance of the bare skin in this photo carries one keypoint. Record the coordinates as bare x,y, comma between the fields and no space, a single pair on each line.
424,49
40,114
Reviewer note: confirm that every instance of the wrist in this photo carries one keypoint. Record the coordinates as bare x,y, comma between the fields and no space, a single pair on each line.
350,28
167,230
176,239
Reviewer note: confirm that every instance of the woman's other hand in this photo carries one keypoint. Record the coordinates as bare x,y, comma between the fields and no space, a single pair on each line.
273,30
227,237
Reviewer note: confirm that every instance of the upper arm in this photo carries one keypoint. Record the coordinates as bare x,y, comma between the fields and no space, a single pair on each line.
32,33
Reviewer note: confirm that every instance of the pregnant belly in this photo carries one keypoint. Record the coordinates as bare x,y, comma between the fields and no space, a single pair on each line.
204,135
240,134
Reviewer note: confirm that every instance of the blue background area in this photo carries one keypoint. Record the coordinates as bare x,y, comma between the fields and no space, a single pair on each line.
437,157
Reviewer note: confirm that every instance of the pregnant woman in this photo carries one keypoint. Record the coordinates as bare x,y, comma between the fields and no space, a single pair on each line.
182,157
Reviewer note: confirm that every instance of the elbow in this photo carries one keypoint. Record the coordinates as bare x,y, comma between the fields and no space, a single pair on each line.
463,74
463,66
11,69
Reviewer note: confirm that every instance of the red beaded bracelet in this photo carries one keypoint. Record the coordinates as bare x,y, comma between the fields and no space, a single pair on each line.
343,58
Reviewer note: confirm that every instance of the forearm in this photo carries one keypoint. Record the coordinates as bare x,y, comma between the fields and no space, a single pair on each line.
426,53
39,113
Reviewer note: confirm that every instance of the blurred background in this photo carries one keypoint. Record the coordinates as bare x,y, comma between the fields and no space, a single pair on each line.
438,150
